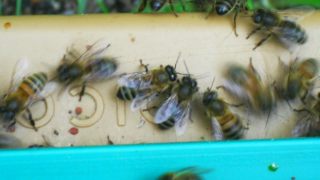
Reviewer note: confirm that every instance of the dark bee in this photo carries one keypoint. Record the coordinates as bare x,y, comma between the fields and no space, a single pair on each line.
142,87
282,25
89,67
309,125
23,92
177,106
225,124
224,7
300,79
189,173
157,5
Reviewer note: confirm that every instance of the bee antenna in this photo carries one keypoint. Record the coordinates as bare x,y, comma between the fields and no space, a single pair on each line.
185,64
212,83
175,66
185,74
49,65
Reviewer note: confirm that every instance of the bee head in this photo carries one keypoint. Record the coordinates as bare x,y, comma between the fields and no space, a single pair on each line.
293,89
188,81
258,16
69,72
6,114
208,97
171,72
156,5
222,10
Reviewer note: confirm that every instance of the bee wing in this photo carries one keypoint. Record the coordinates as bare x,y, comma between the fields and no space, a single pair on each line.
236,89
285,39
141,100
20,71
302,127
217,132
9,141
167,109
182,117
296,13
99,73
48,89
94,50
135,80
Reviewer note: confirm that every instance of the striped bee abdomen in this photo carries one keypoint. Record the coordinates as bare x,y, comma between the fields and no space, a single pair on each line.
294,32
102,67
231,126
126,93
223,7
34,83
167,124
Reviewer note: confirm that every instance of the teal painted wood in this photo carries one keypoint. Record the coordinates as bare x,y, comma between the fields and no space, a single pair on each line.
237,160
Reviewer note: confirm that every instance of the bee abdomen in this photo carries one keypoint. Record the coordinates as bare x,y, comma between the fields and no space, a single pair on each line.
34,83
103,66
294,32
126,93
232,127
223,7
167,124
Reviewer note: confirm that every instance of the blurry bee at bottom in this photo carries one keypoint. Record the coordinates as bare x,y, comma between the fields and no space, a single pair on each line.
225,124
189,173
309,125
24,91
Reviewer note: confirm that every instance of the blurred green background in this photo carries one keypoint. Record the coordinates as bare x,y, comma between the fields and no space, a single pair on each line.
68,7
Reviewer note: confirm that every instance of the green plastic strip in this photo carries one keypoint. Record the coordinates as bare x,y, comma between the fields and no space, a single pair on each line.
102,6
82,6
18,7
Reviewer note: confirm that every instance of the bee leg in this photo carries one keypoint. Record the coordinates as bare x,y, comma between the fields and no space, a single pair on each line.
254,31
210,12
142,6
82,90
303,110
202,6
183,8
235,105
262,41
303,98
11,125
253,70
235,20
5,95
172,8
218,87
145,66
33,124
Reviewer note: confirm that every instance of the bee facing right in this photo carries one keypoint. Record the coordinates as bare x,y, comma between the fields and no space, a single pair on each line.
189,173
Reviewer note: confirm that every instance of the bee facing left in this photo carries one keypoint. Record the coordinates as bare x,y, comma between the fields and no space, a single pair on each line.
24,90
189,173
89,67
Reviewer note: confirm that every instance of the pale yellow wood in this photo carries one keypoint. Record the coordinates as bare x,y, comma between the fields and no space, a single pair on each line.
206,46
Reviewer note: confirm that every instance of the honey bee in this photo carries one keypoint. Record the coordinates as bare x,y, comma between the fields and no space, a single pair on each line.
24,90
89,67
282,25
157,5
189,173
300,78
224,7
225,124
177,108
247,85
309,125
142,87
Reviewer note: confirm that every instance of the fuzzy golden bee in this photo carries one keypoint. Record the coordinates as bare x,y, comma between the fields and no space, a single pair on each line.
142,87
225,124
177,107
300,78
89,67
24,90
189,173
282,25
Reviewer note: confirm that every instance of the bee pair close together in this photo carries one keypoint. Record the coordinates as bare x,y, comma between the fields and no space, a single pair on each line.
281,24
27,89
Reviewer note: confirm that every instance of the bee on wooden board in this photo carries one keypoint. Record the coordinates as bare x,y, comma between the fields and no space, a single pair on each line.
248,86
142,87
225,124
224,7
189,173
282,25
91,66
157,5
24,91
309,125
300,78
176,110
